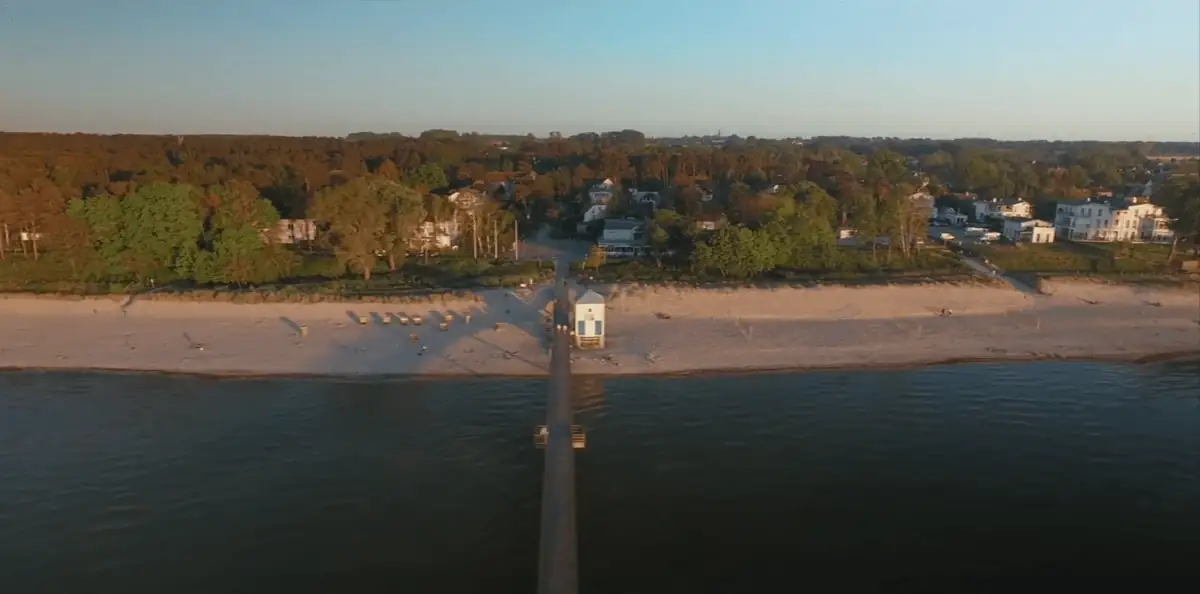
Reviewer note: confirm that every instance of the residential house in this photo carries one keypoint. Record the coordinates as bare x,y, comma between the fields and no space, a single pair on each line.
1082,220
1022,230
646,198
1111,220
292,231
595,212
430,236
602,193
623,230
623,238
951,216
1002,208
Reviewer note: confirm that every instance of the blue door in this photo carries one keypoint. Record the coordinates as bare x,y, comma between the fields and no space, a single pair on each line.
599,327
582,328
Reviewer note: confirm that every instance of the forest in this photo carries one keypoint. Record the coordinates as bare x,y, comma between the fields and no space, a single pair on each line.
113,211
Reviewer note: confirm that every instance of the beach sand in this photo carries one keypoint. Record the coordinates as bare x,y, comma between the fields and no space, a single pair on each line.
651,330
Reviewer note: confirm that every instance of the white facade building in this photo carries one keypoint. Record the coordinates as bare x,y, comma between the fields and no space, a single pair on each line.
595,212
1028,231
1113,220
588,322
1002,208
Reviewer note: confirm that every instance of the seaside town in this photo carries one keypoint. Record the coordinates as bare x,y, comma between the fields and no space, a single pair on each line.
690,254
599,297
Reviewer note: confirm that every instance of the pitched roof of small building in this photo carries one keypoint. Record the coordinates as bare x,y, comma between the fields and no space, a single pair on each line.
590,298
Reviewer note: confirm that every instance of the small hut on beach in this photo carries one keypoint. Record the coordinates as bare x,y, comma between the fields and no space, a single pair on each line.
588,321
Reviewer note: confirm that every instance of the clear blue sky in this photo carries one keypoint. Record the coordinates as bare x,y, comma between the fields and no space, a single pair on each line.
1059,69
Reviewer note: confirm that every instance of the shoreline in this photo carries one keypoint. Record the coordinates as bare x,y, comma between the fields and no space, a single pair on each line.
233,375
652,332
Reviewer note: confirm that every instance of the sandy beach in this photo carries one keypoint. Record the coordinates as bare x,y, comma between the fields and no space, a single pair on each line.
651,330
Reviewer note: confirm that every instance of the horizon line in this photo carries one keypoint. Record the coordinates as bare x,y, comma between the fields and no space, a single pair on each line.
567,136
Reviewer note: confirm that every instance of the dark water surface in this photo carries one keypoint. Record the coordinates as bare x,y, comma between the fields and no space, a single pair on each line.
965,479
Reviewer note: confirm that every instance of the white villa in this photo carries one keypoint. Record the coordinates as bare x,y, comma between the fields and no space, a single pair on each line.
1002,208
1111,220
599,196
1028,231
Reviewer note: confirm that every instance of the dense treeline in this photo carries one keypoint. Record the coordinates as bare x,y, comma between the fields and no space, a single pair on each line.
132,207
289,171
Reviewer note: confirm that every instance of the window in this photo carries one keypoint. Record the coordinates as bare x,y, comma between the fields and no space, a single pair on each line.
582,328
599,327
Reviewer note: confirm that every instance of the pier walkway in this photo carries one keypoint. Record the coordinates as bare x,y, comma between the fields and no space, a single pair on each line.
558,571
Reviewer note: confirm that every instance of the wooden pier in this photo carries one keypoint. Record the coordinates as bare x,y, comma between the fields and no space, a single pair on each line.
558,563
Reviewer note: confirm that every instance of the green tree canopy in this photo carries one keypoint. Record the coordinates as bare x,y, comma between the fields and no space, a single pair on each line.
357,221
162,225
241,236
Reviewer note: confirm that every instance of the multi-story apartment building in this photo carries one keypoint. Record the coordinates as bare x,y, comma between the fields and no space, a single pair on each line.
1111,220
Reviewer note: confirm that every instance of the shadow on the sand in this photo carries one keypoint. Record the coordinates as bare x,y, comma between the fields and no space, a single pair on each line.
462,337
526,311
510,354
291,324
133,295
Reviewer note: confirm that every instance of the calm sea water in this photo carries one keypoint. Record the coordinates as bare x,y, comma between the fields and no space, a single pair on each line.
965,479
